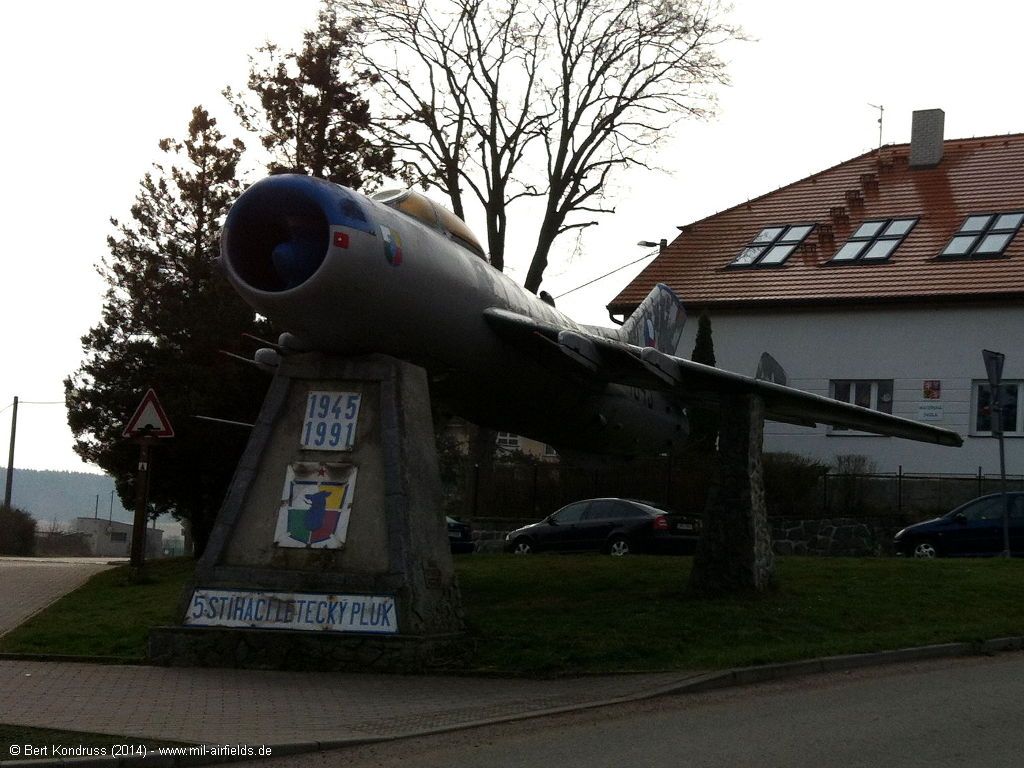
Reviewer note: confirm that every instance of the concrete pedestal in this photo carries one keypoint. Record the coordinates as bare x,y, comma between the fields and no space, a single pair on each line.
331,543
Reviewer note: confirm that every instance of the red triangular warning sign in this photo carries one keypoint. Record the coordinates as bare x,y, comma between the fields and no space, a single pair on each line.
149,419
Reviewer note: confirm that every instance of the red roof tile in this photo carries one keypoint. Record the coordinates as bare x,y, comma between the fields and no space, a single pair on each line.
983,175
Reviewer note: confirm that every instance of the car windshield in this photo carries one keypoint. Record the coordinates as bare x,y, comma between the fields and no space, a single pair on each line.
571,513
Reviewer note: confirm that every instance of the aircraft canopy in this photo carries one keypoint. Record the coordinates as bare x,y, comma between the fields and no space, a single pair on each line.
424,209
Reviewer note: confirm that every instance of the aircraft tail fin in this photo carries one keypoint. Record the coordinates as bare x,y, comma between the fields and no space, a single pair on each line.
658,321
769,369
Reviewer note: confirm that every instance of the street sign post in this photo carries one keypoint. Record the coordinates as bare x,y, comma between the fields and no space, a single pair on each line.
994,368
146,427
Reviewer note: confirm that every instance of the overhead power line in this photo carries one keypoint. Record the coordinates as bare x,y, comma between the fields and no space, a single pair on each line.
34,402
606,274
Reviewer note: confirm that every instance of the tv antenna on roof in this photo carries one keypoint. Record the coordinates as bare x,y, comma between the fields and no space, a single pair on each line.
881,114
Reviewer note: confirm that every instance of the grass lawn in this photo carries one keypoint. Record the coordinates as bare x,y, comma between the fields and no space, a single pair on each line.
106,616
550,614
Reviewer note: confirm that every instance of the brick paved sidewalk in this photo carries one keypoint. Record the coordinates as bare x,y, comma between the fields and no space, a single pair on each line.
27,585
219,706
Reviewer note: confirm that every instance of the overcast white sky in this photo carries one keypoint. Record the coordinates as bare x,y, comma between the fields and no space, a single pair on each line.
91,87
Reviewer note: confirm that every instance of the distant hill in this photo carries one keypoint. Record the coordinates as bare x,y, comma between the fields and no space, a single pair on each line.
62,496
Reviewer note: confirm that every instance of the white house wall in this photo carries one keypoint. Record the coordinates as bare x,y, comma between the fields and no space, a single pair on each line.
909,346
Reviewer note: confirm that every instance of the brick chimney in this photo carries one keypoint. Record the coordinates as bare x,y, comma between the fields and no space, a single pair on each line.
926,138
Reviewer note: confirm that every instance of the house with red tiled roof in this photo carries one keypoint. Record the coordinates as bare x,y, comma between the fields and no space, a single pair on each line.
878,281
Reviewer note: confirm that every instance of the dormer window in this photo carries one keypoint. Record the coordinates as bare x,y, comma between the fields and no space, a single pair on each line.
983,235
874,240
772,245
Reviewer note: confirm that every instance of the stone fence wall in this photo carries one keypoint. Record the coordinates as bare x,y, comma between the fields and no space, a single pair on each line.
835,537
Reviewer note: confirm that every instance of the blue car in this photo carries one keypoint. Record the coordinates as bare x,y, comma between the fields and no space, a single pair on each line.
974,529
460,536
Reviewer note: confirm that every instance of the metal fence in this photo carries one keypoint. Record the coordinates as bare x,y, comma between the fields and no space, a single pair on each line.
521,492
911,496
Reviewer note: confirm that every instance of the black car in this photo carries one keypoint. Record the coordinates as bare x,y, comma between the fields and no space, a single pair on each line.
460,536
616,526
974,529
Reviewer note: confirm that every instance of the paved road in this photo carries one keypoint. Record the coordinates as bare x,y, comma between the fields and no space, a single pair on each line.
27,585
966,712
222,706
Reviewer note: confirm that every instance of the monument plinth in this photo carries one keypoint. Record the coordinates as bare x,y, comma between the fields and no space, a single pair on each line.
331,548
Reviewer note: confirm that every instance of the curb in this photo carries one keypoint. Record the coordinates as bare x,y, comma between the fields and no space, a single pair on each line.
134,661
697,683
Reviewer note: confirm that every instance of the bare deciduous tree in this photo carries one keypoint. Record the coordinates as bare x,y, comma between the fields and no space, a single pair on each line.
503,99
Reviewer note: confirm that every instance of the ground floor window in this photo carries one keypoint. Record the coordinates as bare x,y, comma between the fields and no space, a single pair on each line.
508,440
875,394
981,397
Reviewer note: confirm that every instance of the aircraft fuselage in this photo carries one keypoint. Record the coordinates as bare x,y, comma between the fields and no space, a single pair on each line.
349,275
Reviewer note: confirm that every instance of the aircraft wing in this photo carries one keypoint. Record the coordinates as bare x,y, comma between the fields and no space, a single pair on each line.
610,360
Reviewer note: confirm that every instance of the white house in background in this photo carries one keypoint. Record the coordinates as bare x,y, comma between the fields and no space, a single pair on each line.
109,538
878,281
504,442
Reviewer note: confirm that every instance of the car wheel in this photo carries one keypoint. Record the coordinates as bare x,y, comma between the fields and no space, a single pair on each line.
619,546
522,547
925,549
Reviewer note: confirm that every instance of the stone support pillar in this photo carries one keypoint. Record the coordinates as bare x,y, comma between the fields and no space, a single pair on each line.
734,554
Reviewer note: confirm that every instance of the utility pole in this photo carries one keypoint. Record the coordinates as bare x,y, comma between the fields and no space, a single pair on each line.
994,368
10,456
138,548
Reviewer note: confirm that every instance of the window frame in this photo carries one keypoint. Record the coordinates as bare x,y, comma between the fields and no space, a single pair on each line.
877,390
975,430
981,235
780,239
510,441
870,241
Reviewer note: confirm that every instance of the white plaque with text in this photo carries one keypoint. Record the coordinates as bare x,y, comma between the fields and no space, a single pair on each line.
241,608
330,421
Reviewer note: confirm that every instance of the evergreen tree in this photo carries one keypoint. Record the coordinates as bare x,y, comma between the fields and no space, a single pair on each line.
166,314
703,423
310,115
17,532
